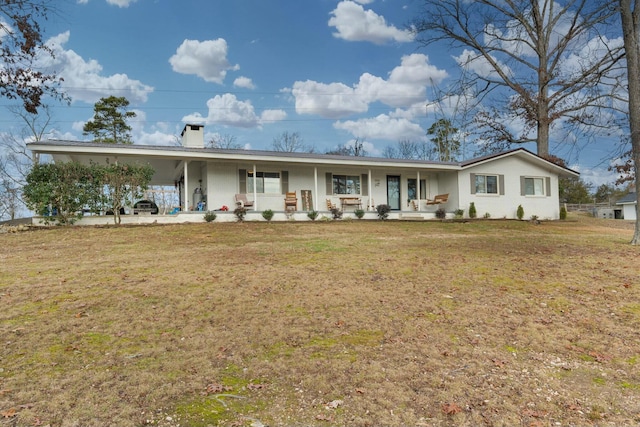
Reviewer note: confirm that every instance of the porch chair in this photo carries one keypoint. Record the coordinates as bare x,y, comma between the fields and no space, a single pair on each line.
330,205
242,201
291,201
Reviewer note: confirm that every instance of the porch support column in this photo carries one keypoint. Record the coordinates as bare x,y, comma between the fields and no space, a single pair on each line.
370,191
418,191
255,188
315,189
186,187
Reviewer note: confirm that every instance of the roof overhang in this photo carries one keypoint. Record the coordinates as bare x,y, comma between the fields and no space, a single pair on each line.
167,160
528,156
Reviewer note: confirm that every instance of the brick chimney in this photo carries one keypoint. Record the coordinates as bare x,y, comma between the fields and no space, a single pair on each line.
193,136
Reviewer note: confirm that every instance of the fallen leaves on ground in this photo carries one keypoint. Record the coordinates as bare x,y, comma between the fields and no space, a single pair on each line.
451,408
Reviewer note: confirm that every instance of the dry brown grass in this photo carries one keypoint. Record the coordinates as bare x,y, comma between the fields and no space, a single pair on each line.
344,323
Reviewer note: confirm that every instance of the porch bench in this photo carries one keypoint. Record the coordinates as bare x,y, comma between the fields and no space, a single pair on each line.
351,201
440,198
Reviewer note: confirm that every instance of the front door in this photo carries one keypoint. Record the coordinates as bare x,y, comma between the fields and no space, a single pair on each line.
393,192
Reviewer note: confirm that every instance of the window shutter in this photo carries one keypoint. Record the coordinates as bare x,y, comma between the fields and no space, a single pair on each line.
522,186
329,183
364,184
501,184
548,185
473,183
242,180
284,181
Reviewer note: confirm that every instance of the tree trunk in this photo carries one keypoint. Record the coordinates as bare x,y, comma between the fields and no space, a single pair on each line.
631,34
543,138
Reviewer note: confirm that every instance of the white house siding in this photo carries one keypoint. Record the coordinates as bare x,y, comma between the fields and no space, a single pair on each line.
505,206
222,185
629,211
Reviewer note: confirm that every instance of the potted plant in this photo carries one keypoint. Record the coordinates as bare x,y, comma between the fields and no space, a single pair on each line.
383,211
240,213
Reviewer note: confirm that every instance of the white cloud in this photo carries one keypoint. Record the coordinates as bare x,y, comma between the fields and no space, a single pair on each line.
244,82
83,79
156,137
119,3
405,86
227,110
272,116
206,59
332,100
381,127
353,23
596,176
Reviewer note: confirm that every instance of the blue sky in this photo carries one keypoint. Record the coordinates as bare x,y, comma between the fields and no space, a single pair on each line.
331,70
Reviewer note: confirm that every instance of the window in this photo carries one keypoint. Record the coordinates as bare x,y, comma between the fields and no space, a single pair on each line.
346,184
534,186
486,184
266,182
412,191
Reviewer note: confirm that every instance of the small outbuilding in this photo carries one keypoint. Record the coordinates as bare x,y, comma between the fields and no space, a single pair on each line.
628,204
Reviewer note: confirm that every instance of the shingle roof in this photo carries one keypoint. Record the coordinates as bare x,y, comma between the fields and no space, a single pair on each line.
629,198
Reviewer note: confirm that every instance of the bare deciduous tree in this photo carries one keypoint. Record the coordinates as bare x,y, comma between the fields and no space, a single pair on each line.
16,160
290,142
551,59
630,18
226,141
353,148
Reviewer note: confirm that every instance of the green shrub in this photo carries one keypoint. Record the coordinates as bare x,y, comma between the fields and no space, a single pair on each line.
383,211
210,216
563,213
240,213
312,215
267,214
359,213
520,212
458,213
441,213
472,210
487,215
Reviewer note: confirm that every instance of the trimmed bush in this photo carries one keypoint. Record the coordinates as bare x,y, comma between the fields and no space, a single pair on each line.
210,216
267,214
520,212
441,213
359,213
563,213
312,215
472,210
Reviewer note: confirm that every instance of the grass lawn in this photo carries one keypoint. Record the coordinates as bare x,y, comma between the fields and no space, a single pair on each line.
328,323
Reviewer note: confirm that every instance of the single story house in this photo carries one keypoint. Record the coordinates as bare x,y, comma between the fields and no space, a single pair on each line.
628,204
208,179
